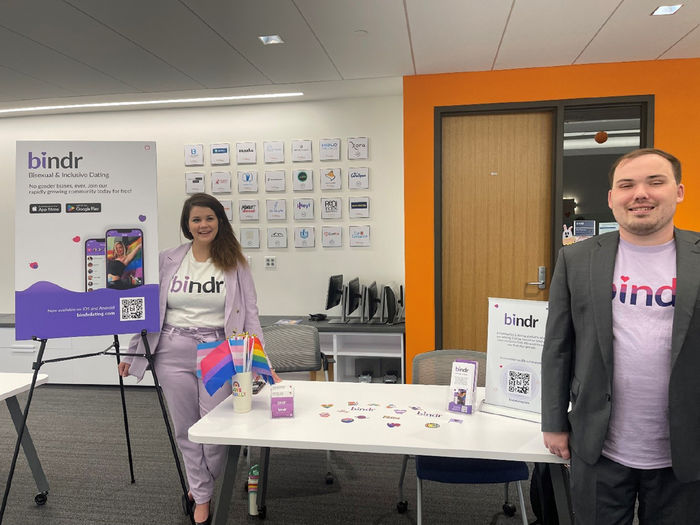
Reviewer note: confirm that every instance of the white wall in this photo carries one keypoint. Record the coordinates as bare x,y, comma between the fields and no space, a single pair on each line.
298,285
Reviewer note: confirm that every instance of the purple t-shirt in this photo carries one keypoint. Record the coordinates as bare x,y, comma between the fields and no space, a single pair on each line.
644,294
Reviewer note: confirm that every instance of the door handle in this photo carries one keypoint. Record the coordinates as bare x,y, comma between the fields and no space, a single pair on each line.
541,276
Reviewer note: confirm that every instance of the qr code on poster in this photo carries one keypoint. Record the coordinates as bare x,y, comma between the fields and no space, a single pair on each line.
131,309
518,382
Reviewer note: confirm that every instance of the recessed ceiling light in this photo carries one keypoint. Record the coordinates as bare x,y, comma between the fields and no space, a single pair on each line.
271,39
666,9
153,102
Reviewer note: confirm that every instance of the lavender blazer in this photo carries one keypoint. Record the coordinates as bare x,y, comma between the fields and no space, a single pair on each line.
240,311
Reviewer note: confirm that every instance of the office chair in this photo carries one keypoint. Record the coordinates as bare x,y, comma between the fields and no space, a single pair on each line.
291,348
435,368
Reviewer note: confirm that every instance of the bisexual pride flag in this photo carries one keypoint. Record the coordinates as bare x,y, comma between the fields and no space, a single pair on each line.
219,361
214,364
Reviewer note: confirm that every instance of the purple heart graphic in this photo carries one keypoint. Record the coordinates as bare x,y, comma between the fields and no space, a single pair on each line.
142,218
400,411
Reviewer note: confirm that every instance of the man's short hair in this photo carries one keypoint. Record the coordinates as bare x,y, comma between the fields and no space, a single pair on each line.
675,163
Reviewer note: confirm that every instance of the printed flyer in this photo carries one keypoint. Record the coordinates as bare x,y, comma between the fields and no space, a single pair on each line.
86,239
513,367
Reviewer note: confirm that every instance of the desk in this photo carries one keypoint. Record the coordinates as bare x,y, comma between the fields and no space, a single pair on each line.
355,347
11,385
408,408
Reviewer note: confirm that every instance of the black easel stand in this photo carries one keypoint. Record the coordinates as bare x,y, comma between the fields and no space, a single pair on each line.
149,357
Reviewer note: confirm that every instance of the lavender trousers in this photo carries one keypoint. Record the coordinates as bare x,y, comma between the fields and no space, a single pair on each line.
176,365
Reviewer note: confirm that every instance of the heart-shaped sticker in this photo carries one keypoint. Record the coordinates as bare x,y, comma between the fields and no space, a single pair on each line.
393,425
76,238
400,411
327,405
324,414
33,265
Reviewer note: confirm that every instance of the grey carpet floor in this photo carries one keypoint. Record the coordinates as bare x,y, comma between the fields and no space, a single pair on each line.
79,436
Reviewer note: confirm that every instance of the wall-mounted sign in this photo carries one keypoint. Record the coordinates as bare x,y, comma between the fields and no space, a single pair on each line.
246,153
220,154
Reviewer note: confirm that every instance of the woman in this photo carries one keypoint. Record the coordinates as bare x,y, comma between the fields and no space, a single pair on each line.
192,313
118,263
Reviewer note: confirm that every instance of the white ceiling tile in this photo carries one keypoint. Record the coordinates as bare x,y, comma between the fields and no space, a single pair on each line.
300,59
687,47
456,35
364,38
68,31
54,68
16,86
545,33
182,40
632,34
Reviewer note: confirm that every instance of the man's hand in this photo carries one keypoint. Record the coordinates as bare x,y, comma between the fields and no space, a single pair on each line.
557,443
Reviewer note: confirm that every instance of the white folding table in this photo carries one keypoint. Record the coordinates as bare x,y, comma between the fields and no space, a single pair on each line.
12,384
379,418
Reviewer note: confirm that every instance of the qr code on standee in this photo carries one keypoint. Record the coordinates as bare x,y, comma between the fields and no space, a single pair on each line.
131,309
518,382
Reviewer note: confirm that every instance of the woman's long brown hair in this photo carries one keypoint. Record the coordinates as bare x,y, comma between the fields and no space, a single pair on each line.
225,250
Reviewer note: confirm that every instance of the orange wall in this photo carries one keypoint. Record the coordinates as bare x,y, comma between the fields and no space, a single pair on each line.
674,83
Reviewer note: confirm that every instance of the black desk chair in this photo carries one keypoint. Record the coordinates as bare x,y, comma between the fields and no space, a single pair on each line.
435,368
291,348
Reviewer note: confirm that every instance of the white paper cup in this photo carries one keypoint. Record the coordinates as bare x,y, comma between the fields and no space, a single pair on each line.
243,392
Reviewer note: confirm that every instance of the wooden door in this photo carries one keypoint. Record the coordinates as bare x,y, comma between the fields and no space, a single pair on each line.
496,216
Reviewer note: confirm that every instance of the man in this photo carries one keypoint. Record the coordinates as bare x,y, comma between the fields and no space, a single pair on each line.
630,366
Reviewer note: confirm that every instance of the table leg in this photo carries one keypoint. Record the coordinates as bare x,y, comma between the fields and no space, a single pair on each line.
262,481
42,483
223,498
561,493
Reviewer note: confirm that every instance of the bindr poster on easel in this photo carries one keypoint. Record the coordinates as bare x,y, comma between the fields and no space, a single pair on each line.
86,238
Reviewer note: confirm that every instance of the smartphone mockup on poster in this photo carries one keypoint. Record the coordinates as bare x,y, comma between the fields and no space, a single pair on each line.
124,258
95,277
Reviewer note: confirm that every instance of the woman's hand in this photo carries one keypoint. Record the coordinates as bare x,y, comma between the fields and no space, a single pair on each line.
124,369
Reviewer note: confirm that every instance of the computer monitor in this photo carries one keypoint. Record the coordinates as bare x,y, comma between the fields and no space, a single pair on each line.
337,294
335,291
388,305
353,299
401,302
370,303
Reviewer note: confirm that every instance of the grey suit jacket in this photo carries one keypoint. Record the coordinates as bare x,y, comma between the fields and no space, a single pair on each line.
577,359
240,307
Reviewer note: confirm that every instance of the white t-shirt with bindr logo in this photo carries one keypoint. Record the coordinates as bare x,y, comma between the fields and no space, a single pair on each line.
643,302
196,295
